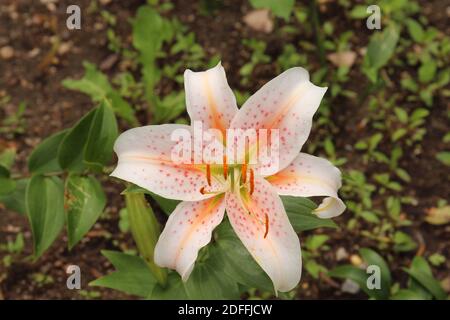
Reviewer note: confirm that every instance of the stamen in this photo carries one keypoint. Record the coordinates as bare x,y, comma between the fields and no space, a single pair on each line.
267,226
252,182
208,174
225,167
244,173
203,191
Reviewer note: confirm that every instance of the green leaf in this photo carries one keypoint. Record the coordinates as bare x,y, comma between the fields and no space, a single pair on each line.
359,12
299,213
419,114
280,8
7,157
422,280
315,241
405,294
420,263
122,108
403,242
45,209
403,174
85,201
370,217
209,281
401,114
436,259
357,275
314,269
15,200
427,71
415,30
131,276
96,84
44,158
167,205
150,31
381,47
444,157
398,134
427,281
70,151
174,289
7,185
237,261
102,134
169,107
373,258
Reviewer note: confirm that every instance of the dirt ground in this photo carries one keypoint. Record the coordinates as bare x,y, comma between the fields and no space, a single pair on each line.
34,75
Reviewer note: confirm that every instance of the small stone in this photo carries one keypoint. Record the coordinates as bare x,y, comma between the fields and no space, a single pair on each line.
64,48
356,260
445,283
259,20
341,254
33,53
342,58
350,286
6,52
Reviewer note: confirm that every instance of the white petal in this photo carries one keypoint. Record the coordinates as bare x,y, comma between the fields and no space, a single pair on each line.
145,159
188,229
309,176
209,98
278,253
287,103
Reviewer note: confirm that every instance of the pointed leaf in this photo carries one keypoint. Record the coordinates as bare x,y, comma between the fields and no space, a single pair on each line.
15,200
373,258
85,201
45,209
132,275
102,134
44,158
299,211
70,152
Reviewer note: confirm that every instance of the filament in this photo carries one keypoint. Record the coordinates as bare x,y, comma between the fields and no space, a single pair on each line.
267,226
252,181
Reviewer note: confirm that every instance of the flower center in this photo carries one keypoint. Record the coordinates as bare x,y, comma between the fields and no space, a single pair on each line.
229,176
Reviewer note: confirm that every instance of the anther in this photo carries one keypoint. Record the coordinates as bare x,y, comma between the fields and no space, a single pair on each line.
225,167
208,174
244,173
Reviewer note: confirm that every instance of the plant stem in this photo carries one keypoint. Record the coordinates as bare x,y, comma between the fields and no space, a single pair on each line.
145,230
317,30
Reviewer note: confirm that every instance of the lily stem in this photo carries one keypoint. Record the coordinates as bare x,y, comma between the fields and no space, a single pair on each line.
317,30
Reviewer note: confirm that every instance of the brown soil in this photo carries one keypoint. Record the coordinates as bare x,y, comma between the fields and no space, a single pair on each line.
34,75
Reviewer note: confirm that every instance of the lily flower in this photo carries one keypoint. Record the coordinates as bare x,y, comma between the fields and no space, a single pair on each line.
250,196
